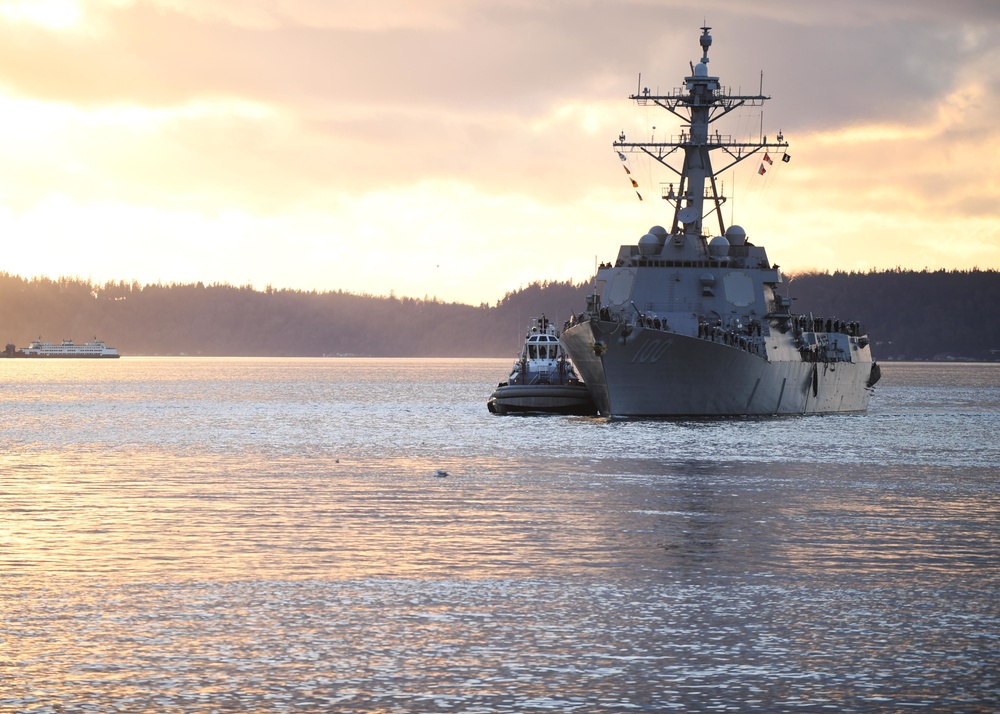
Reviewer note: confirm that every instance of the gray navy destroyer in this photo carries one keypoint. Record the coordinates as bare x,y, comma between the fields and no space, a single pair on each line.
690,322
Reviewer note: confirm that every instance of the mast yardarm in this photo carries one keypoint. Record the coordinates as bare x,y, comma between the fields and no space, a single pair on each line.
700,102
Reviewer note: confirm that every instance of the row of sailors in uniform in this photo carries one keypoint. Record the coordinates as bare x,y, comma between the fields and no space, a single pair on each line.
804,323
744,339
708,331
604,314
807,323
822,353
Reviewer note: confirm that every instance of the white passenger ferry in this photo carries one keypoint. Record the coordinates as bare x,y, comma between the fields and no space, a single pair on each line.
94,349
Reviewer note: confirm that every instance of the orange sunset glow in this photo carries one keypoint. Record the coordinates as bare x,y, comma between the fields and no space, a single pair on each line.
461,149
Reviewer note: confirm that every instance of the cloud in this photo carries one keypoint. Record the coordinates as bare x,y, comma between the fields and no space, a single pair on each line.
309,120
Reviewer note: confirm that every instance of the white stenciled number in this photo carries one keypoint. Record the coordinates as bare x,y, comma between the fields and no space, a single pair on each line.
651,351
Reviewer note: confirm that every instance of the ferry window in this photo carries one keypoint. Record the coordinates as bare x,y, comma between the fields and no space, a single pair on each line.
532,352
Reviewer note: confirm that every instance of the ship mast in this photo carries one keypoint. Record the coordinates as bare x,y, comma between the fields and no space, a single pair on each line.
699,103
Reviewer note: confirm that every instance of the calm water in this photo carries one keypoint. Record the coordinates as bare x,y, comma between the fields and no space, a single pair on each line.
269,535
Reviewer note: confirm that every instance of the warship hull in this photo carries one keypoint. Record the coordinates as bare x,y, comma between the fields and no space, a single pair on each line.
651,373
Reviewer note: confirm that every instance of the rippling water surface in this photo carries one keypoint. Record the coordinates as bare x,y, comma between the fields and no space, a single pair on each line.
270,535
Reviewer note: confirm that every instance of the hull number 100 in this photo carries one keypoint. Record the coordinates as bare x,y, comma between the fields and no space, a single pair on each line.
651,351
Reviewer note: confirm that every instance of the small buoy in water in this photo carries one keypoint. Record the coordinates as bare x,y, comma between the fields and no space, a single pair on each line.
440,473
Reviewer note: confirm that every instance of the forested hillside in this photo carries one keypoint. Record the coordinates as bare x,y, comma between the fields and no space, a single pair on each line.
909,315
240,321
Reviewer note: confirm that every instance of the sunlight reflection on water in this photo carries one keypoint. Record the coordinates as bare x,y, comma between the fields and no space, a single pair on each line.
269,534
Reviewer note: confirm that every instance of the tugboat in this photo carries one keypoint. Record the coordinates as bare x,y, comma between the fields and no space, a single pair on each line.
543,379
689,322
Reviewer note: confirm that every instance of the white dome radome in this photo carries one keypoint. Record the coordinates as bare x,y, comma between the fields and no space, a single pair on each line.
718,247
649,244
736,235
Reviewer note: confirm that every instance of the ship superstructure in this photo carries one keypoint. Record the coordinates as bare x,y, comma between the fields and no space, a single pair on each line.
690,320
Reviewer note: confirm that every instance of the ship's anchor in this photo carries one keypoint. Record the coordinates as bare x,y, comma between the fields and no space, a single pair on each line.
874,376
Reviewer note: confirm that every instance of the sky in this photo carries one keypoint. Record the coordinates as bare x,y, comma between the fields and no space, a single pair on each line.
462,149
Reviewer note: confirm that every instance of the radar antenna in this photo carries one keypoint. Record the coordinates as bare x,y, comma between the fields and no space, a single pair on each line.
700,102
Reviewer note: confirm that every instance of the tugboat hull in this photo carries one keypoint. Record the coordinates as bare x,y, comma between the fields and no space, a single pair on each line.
542,399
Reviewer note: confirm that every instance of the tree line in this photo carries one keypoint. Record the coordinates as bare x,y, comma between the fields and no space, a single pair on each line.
910,315
227,320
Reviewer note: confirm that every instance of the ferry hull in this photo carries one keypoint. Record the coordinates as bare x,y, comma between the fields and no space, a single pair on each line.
67,356
651,373
542,399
